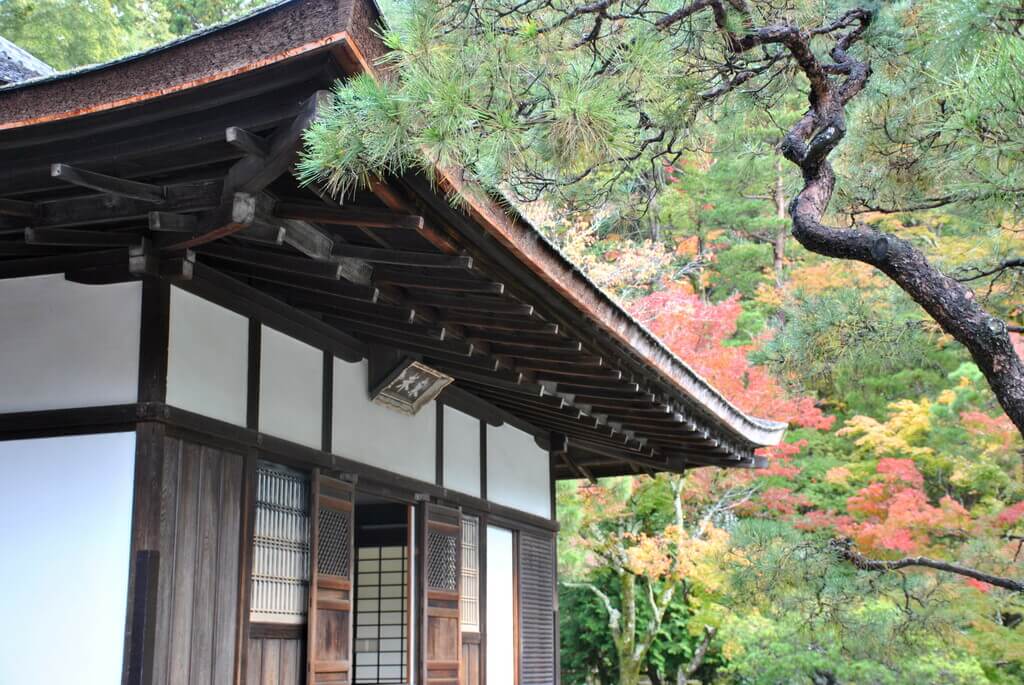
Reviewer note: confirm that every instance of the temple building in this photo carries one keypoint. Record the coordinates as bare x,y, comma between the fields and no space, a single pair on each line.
251,434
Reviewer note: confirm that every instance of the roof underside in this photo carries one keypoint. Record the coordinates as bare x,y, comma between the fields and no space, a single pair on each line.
201,173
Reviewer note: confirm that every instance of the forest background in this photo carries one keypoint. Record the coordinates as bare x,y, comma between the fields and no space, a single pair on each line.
897,447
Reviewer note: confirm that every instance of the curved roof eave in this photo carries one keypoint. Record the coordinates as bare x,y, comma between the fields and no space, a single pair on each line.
539,255
545,259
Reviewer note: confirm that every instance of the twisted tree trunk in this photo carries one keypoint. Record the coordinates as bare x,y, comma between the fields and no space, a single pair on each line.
950,303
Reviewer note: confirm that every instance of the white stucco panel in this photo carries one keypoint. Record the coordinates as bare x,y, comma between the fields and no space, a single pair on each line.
501,618
461,452
291,388
207,358
518,471
366,432
65,526
68,345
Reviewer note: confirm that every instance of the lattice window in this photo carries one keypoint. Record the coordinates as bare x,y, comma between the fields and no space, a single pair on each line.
469,604
334,542
442,562
280,559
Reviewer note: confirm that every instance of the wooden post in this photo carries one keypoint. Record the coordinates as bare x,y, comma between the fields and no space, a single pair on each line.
139,662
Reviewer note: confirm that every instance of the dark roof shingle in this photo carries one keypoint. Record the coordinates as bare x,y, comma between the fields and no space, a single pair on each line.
17,64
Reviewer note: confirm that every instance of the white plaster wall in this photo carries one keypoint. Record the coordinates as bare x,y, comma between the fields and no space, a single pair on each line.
65,528
500,619
207,358
291,388
375,435
68,345
461,452
518,471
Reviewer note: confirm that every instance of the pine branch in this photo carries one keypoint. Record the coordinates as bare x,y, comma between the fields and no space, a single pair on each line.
844,548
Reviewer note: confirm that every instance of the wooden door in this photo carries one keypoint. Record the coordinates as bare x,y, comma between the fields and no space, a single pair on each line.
441,543
332,523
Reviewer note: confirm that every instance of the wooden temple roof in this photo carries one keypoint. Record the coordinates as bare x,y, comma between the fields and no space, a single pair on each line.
177,161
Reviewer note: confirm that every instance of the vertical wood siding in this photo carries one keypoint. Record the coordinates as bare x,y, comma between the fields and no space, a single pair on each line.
537,608
470,663
275,662
200,517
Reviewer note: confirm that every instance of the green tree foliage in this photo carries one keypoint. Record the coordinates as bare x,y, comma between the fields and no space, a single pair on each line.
72,33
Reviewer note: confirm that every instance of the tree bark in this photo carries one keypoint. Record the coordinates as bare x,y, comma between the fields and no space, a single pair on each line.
808,145
779,245
950,303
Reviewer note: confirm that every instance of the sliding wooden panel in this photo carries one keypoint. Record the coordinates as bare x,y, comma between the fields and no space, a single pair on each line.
537,607
332,523
442,561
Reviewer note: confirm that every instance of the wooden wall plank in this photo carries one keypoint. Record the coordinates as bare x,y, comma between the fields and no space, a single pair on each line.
168,532
205,583
185,550
271,662
291,662
200,522
276,661
149,441
228,534
254,662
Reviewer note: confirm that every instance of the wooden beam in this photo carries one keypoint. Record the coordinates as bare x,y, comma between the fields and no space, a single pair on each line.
327,304
603,400
303,236
301,281
471,303
403,258
520,324
249,143
454,368
12,249
499,383
407,279
399,337
601,382
563,355
72,237
147,192
383,326
475,361
233,215
37,266
571,369
216,286
81,211
435,350
172,222
273,260
358,217
609,394
17,208
528,340
253,173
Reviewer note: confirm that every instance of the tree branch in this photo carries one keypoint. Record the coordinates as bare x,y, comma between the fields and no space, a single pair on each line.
1015,263
697,660
844,548
613,613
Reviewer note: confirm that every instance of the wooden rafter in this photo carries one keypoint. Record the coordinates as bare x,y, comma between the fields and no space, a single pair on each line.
147,192
355,217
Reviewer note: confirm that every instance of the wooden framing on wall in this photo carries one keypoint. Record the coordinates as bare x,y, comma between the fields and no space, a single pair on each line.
155,422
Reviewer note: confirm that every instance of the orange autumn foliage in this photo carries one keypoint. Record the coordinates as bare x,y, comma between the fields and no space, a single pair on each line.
697,330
